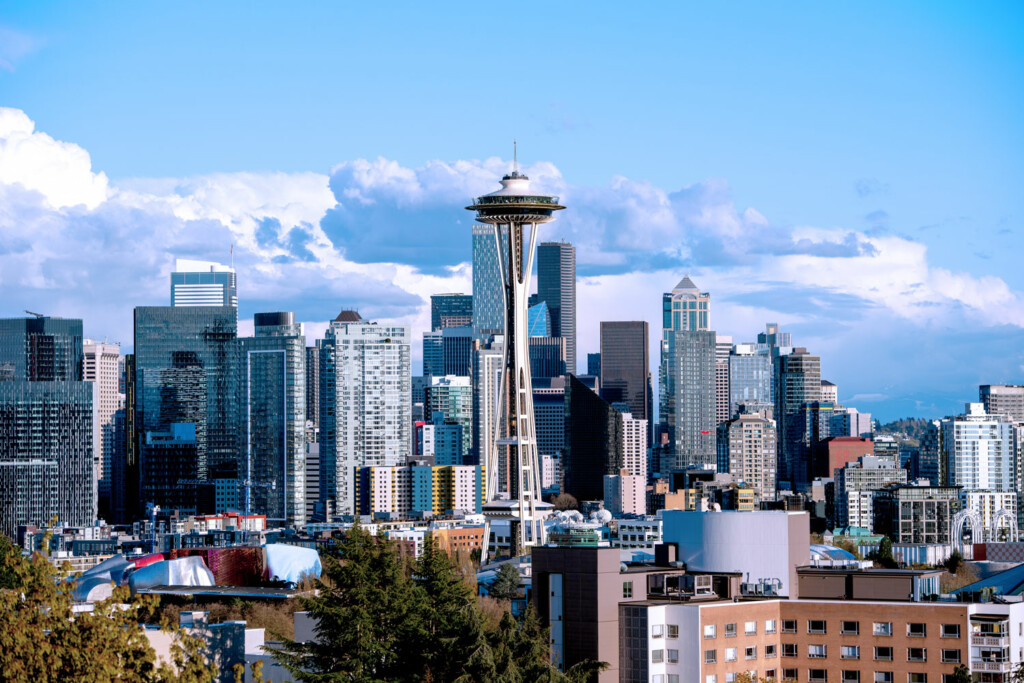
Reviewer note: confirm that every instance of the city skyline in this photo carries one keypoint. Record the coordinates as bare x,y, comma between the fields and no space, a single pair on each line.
899,238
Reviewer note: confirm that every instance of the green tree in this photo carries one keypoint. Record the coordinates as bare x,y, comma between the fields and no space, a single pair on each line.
953,562
10,554
961,674
368,613
883,555
42,639
506,584
452,628
565,501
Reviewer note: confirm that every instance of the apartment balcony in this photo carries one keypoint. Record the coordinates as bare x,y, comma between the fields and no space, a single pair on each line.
993,641
997,667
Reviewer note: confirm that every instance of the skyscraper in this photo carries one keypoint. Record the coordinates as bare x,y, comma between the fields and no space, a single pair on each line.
797,381
46,425
539,320
723,347
750,380
186,372
688,360
747,450
547,357
313,390
203,283
447,351
450,310
1003,399
365,403
101,365
625,366
273,394
593,441
487,423
556,285
488,299
685,308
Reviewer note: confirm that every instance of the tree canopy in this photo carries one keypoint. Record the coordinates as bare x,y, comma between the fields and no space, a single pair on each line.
43,639
384,618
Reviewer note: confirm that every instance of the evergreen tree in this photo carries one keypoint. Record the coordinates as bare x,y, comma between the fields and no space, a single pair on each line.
506,584
367,613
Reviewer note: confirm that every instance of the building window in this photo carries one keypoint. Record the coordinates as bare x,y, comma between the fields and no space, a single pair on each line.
673,678
849,652
789,650
730,630
789,625
790,675
657,631
709,631
730,678
883,654
658,678
769,651
730,654
657,656
883,677
710,678
750,652
750,628
673,656
769,626
816,652
816,626
627,589
710,656
917,678
673,630
817,675
769,675
916,630
951,656
882,628
851,677
951,630
849,628
916,654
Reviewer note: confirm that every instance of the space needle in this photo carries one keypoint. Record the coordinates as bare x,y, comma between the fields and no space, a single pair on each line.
515,211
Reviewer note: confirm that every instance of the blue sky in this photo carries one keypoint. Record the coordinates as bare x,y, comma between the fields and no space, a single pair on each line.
850,170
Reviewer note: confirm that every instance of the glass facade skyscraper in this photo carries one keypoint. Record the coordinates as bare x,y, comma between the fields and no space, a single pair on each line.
750,380
452,397
273,393
625,361
450,310
186,372
488,299
593,441
556,285
46,425
690,402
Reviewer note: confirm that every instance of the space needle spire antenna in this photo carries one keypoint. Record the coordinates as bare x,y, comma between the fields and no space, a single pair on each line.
516,212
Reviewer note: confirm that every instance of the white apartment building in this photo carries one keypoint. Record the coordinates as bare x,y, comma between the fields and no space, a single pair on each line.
625,494
855,486
634,445
366,389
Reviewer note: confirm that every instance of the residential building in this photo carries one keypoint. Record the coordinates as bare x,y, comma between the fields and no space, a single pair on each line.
747,450
452,397
272,385
978,450
487,424
829,392
855,486
625,494
848,421
556,285
46,425
186,370
365,403
406,490
634,446
441,440
451,310
624,367
909,513
203,283
101,364
313,389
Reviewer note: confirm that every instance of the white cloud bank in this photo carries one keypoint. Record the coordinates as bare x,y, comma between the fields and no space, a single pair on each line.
382,237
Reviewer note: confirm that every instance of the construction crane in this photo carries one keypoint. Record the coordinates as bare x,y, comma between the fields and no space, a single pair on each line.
38,315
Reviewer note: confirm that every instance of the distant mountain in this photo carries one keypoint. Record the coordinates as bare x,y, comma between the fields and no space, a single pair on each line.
907,429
